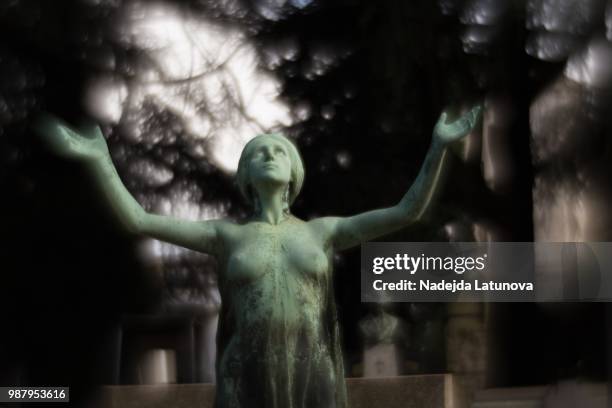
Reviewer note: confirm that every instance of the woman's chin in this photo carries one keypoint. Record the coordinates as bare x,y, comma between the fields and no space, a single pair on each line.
271,180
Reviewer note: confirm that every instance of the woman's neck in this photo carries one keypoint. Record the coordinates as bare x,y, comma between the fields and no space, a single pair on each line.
272,207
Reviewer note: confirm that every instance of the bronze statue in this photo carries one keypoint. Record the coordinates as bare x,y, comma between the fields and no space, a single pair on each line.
277,340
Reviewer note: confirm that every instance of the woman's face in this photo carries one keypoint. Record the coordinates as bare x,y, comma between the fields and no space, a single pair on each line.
269,163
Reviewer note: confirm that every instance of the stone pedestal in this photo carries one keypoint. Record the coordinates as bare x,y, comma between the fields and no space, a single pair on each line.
566,394
415,391
382,360
431,391
466,345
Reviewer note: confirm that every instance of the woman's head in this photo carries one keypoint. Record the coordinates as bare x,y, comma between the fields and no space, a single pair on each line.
270,157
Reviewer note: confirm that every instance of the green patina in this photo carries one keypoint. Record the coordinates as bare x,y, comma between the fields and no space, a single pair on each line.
278,336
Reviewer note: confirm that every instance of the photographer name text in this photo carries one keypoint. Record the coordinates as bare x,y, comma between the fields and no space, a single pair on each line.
451,286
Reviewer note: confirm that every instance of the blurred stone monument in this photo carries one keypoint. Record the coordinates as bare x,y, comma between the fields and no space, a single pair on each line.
382,334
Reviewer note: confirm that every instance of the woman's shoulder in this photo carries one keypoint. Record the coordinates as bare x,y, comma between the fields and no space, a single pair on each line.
323,223
323,227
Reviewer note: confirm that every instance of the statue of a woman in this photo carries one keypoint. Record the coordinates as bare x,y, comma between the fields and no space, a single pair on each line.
277,340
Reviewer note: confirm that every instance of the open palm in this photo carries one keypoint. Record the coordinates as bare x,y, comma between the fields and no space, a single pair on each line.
449,132
85,144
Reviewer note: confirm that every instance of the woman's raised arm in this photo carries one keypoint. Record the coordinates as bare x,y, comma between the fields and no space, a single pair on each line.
345,232
89,147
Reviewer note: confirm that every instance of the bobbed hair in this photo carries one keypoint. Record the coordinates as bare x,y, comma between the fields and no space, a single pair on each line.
297,167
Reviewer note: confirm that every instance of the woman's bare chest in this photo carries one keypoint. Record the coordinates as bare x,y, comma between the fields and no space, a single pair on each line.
262,250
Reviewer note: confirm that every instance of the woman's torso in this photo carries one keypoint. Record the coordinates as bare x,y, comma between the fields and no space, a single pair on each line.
275,321
275,274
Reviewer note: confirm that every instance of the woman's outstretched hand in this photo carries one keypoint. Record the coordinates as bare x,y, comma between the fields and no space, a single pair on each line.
449,132
86,144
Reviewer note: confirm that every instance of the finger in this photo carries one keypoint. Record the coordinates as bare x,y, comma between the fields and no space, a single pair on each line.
69,133
97,132
474,116
90,130
49,129
66,132
443,117
50,126
476,111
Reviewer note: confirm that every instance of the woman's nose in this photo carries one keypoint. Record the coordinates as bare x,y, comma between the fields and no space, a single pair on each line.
268,155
